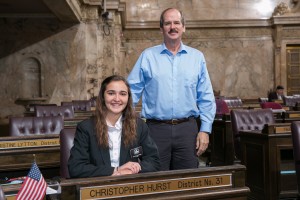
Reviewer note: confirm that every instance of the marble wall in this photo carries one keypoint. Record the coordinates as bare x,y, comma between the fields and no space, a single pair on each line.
71,62
240,60
243,49
149,10
60,56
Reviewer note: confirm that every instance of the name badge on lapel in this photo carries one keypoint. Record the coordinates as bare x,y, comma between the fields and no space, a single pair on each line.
136,152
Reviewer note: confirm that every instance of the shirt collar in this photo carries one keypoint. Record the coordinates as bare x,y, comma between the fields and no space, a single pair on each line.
118,124
164,49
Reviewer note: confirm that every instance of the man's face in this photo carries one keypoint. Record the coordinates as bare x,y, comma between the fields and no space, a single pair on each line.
280,91
172,27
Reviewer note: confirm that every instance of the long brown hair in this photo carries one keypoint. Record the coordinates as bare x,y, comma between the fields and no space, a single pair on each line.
129,116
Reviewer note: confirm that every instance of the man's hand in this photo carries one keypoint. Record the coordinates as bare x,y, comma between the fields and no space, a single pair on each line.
202,142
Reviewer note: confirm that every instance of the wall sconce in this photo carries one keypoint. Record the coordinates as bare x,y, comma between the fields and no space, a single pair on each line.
106,19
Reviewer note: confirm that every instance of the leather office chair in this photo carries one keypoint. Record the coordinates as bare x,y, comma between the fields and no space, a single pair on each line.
234,102
31,107
82,105
295,128
66,142
2,196
290,100
23,126
244,120
66,103
276,107
272,105
66,111
263,99
93,101
221,109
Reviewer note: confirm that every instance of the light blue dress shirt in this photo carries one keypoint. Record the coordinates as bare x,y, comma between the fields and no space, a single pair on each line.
173,86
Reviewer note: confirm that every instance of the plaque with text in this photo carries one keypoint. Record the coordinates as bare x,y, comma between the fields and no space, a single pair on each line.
293,115
154,187
277,128
15,144
11,197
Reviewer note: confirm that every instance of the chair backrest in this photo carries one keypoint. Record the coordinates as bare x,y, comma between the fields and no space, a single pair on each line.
82,105
243,120
23,126
65,111
290,100
65,103
93,101
272,105
233,102
31,107
2,196
263,99
295,128
222,108
66,142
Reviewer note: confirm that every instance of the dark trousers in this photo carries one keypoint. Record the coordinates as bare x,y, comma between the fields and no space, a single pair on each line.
176,144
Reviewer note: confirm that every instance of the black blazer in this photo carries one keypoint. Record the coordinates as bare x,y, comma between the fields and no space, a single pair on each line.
88,159
273,96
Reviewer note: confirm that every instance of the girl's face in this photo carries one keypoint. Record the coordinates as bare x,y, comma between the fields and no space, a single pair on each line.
116,97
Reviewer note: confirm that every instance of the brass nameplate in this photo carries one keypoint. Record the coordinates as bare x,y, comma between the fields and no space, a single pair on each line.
277,128
29,143
283,129
278,101
153,187
294,115
11,197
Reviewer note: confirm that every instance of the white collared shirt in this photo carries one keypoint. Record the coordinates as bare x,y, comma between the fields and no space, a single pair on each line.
114,140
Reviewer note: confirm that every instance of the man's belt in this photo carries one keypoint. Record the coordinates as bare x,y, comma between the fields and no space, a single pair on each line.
169,121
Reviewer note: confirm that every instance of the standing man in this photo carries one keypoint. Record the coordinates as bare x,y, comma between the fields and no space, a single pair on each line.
176,89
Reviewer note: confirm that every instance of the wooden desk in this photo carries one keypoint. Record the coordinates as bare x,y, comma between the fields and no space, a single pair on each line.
291,115
84,114
72,123
297,106
203,183
270,165
221,142
16,155
4,127
251,103
222,183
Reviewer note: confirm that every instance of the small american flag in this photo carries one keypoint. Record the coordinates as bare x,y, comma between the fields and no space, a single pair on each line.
34,186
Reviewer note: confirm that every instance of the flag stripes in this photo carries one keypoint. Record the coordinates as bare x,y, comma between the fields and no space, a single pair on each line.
34,187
